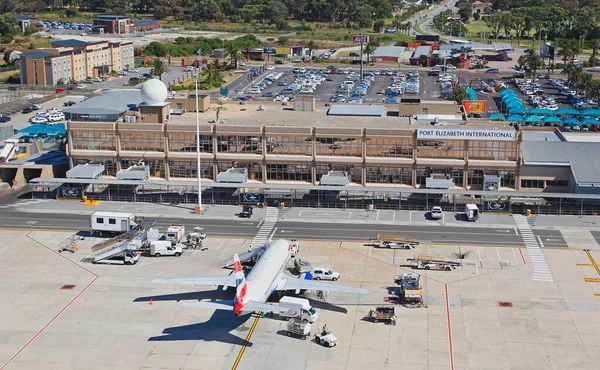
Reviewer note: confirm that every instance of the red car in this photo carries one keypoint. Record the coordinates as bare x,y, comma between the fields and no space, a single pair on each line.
59,91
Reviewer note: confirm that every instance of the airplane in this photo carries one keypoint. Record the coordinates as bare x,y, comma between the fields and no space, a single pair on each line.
265,278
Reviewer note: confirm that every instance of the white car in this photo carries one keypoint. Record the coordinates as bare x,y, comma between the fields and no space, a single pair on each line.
320,273
437,213
270,68
133,71
41,120
56,117
81,87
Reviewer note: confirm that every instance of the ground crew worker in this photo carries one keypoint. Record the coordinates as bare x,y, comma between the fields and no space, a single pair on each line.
393,319
324,330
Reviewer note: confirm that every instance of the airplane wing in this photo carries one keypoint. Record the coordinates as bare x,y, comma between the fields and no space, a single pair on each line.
252,306
292,283
226,281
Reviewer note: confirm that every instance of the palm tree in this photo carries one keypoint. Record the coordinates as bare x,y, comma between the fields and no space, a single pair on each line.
234,52
533,61
312,46
212,71
159,68
594,90
594,45
369,50
585,83
574,74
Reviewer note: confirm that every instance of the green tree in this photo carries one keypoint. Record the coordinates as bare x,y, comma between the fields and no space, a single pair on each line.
159,68
8,24
533,62
212,72
234,53
369,50
312,46
156,48
275,11
363,15
594,45
459,94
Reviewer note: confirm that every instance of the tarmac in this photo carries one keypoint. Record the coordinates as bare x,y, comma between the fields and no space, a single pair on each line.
487,314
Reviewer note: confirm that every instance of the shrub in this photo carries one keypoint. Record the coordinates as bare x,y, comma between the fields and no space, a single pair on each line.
72,12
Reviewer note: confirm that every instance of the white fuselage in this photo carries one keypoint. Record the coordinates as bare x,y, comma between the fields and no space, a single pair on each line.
262,280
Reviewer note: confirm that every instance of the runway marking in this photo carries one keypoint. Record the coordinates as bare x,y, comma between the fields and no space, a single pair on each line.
246,341
587,251
540,240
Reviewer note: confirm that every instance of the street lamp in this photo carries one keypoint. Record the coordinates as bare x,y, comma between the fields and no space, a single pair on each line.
198,207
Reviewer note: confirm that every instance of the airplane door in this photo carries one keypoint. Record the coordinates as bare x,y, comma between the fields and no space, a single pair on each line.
124,225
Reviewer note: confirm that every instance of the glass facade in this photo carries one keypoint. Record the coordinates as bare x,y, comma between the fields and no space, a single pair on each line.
349,147
355,172
289,172
390,147
289,145
143,141
186,142
389,175
188,169
94,140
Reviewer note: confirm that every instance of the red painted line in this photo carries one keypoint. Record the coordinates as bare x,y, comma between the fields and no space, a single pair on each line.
522,256
449,328
47,324
244,241
341,244
58,254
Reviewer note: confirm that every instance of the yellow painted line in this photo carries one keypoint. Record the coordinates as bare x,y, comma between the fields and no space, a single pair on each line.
597,294
591,280
585,264
587,251
243,349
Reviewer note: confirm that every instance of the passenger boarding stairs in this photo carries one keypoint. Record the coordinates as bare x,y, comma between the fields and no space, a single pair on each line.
131,240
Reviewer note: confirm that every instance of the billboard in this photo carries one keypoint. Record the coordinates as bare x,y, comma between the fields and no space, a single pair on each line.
357,39
547,51
474,106
466,134
282,51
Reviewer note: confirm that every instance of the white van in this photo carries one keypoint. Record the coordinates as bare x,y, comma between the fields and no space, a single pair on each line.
299,308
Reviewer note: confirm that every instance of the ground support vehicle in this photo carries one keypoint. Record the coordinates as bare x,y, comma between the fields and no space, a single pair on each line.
472,212
297,327
196,238
426,262
410,288
302,266
383,313
175,233
326,338
164,248
112,222
395,241
299,308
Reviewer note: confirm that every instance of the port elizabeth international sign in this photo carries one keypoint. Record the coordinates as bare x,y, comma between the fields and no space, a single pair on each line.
466,134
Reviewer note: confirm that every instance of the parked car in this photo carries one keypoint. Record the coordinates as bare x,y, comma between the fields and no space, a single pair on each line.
13,88
36,107
69,103
27,110
81,87
4,118
320,273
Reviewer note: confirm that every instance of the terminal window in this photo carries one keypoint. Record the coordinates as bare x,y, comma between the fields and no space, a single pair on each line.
532,184
339,146
390,147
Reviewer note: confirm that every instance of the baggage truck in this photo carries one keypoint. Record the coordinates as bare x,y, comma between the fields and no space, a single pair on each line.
395,241
299,308
472,212
299,328
112,222
164,248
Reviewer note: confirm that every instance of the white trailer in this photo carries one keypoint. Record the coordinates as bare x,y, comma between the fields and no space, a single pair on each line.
472,212
299,308
112,222
299,328
164,248
175,233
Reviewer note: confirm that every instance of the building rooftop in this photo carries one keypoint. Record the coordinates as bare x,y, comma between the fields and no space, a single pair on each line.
541,136
355,110
111,102
578,156
25,17
67,43
110,16
143,22
36,54
389,51
581,137
422,50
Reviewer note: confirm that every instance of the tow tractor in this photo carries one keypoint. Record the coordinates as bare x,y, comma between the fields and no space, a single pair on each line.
326,338
395,241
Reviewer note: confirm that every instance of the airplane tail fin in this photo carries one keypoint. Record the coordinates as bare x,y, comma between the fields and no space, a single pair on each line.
240,285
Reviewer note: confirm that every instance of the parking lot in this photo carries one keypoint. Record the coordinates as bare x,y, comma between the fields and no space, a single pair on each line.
429,86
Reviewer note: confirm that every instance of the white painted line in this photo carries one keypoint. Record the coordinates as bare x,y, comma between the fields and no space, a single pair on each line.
409,216
479,253
275,229
541,243
516,231
261,221
377,219
514,256
498,253
394,218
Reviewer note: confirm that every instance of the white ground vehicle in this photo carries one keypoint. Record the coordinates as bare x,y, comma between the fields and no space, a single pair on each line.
472,212
295,247
175,233
112,222
299,328
326,339
436,213
164,248
39,120
395,241
320,273
302,266
56,117
299,308
124,258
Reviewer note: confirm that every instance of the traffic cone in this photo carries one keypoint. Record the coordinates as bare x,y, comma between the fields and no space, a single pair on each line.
151,301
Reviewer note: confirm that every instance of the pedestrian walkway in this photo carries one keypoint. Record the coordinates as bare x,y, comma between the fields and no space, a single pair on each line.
266,227
541,271
579,239
27,202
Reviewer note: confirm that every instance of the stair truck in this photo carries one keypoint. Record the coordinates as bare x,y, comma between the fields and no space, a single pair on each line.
299,308
395,241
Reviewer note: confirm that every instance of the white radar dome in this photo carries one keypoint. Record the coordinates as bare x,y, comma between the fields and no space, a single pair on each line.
154,91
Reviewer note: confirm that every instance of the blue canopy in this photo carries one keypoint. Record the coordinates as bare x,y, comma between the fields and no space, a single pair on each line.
511,100
566,112
552,119
591,112
471,93
44,129
540,111
497,116
590,121
571,121
518,110
515,118
533,119
507,91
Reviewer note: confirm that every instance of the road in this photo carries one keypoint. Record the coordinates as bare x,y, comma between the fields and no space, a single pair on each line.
427,26
244,228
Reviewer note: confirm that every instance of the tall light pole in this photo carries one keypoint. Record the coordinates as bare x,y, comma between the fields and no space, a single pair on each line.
198,207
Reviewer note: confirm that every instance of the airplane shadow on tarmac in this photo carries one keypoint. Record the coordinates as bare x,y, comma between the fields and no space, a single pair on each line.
215,329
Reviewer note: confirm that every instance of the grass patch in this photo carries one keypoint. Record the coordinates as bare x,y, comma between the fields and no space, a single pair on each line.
418,28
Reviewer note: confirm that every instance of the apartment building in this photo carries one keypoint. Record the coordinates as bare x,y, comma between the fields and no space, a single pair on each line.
74,60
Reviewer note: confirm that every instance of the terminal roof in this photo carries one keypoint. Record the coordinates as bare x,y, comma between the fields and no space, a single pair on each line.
111,102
